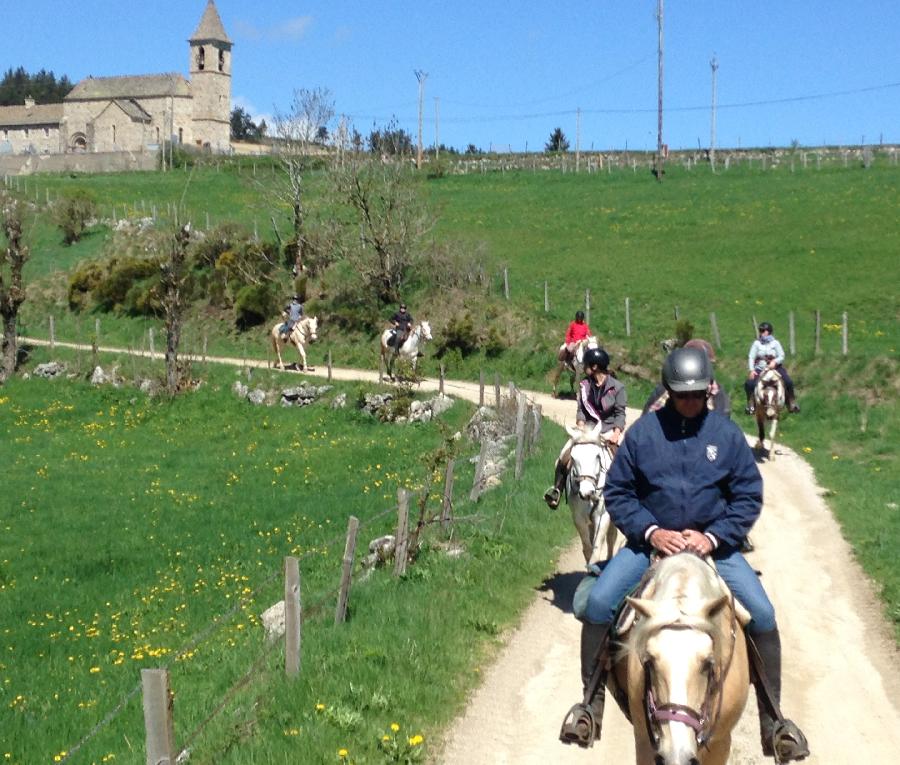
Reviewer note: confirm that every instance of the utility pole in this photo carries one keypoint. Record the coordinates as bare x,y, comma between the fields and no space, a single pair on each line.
577,139
714,65
437,127
659,128
421,77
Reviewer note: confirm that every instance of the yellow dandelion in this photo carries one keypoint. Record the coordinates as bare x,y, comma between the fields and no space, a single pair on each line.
395,727
415,740
320,707
807,449
342,753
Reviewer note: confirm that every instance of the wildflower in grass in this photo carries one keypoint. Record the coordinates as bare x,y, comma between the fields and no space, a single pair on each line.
320,707
395,727
342,753
415,740
807,449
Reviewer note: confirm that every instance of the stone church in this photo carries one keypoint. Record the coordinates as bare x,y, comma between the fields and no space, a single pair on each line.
135,113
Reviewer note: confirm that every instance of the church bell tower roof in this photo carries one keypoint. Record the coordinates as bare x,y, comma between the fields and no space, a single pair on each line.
210,28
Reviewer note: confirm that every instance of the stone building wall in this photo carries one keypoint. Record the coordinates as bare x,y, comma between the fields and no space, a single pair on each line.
42,139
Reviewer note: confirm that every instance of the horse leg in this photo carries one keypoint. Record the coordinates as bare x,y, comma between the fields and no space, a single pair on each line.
277,346
581,517
760,428
602,550
772,438
302,354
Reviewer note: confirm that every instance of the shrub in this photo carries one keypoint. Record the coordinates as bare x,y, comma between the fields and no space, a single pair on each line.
460,335
684,331
495,343
71,214
82,283
255,304
122,274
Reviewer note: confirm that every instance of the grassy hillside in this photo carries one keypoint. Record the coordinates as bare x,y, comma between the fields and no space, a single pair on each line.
143,533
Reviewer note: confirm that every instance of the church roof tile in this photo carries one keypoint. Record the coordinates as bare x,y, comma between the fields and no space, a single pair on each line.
210,27
137,86
26,116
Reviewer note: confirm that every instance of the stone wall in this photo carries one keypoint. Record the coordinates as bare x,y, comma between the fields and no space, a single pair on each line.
37,140
109,162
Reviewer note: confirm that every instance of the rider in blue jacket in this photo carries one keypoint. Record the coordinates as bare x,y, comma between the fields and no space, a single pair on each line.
684,479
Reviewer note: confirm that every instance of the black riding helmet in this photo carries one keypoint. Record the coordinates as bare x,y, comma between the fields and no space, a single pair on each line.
579,315
686,369
765,326
596,357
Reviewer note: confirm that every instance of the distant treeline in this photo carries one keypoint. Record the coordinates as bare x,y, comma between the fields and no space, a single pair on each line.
43,87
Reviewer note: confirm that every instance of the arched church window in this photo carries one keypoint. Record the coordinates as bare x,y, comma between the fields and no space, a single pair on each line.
221,60
201,59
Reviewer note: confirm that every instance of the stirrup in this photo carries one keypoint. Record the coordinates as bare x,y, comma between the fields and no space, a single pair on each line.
787,744
552,497
580,726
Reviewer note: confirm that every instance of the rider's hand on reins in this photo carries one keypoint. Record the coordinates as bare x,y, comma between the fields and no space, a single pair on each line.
697,542
668,542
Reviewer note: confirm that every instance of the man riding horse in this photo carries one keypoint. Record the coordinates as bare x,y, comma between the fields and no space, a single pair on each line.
601,398
684,479
292,313
716,396
401,322
767,353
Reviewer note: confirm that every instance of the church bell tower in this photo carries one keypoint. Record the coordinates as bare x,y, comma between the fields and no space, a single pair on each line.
210,70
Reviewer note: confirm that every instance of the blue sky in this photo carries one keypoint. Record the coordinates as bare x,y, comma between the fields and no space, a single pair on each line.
507,73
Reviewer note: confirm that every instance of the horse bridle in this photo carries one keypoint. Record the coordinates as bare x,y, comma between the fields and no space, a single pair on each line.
703,720
594,479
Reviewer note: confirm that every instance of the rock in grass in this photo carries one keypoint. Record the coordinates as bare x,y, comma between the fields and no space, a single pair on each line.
273,621
50,370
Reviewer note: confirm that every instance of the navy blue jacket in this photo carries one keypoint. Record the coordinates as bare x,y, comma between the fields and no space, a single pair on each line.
684,474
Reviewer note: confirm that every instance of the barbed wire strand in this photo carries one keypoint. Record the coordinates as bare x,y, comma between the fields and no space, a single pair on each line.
112,714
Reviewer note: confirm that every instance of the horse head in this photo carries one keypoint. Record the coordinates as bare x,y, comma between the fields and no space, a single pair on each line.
425,329
682,647
312,328
769,393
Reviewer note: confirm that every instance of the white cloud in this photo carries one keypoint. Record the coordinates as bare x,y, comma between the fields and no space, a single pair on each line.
289,29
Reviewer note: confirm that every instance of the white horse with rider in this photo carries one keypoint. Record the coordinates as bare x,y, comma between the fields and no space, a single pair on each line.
572,362
590,457
409,348
304,332
769,400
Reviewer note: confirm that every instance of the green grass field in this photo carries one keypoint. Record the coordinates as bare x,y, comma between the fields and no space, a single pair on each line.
743,244
136,522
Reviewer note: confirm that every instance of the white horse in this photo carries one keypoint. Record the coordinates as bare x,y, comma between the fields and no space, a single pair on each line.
591,455
409,351
304,332
573,363
769,401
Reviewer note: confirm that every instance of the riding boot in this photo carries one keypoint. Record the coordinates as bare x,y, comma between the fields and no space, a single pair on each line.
583,723
554,493
780,738
791,397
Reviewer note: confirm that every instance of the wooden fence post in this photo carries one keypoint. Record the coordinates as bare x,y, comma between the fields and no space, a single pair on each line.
205,339
520,435
537,413
401,544
329,365
818,346
381,369
447,505
52,334
292,616
158,718
481,388
441,380
479,473
546,298
845,330
506,283
677,313
792,337
497,389
755,325
150,339
340,613
627,317
715,330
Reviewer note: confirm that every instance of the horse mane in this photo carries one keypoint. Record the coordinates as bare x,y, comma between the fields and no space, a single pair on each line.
682,583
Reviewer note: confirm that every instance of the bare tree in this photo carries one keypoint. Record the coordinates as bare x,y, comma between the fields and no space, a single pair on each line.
387,223
12,288
296,134
173,278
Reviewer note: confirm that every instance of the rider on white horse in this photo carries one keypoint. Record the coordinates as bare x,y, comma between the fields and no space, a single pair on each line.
292,313
601,398
767,353
684,479
578,330
401,322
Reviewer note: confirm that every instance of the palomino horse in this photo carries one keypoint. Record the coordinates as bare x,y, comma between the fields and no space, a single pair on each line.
768,396
684,666
591,455
573,364
304,332
409,351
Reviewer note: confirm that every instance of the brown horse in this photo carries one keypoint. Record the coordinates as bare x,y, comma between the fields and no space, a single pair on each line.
683,669
768,396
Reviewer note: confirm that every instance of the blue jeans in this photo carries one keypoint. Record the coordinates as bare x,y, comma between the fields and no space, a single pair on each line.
625,570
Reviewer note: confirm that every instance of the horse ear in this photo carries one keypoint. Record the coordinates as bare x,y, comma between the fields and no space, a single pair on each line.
573,431
644,607
594,435
712,608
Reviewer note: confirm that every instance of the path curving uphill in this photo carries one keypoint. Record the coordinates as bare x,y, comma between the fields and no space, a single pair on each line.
841,665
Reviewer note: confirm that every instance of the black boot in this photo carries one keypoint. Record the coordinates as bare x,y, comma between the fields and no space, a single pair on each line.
583,722
554,493
780,737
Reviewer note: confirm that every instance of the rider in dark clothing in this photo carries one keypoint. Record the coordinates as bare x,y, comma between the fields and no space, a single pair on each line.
402,322
716,397
293,312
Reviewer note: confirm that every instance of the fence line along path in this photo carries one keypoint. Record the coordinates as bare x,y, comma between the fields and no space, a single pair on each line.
821,596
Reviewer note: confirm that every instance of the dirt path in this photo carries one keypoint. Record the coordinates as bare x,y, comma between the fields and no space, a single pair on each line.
841,666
